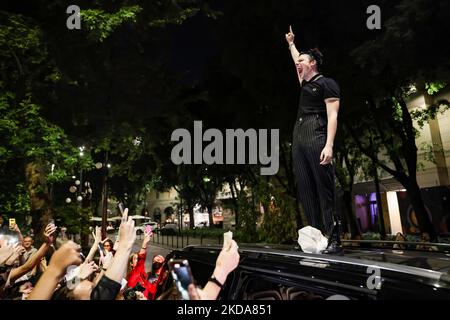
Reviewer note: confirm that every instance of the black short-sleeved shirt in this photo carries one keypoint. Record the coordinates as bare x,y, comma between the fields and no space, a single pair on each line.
314,92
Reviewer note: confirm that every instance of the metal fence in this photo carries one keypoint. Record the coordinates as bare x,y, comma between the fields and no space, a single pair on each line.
181,241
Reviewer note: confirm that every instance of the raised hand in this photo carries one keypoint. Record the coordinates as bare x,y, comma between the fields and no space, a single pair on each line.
68,254
16,252
106,260
49,233
16,228
86,269
290,36
227,261
147,237
98,235
5,252
126,230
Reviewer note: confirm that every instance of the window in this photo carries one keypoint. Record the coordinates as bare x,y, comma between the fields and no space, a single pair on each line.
262,288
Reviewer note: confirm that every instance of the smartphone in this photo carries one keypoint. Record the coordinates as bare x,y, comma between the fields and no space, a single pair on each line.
227,237
182,276
12,223
101,248
148,230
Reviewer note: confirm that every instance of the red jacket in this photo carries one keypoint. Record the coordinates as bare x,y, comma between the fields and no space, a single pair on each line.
138,275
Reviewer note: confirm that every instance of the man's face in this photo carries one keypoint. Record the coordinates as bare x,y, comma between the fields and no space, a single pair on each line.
305,65
27,243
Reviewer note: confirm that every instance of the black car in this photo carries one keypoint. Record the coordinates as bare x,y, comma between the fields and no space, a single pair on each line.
287,273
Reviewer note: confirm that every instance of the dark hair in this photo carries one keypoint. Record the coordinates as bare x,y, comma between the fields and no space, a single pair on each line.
63,293
316,55
111,244
130,293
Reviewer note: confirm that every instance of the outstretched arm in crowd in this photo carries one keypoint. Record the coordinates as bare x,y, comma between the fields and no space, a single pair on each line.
118,266
68,254
147,238
97,240
36,258
226,262
19,234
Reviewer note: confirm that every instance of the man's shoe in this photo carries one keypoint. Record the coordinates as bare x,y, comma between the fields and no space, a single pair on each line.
333,248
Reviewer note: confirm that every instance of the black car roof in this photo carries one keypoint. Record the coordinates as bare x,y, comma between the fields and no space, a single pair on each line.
431,265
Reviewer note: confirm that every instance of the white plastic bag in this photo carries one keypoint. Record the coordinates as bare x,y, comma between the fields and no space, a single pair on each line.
311,240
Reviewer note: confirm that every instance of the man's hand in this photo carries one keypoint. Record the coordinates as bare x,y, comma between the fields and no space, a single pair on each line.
326,155
49,233
290,36
68,254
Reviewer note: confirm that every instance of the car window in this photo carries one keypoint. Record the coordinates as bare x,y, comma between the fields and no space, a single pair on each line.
263,288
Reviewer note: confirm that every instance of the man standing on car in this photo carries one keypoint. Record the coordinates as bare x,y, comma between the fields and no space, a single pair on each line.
313,138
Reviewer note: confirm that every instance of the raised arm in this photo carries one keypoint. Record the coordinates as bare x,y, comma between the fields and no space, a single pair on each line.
294,52
290,40
68,254
35,259
97,239
118,266
226,262
147,238
19,234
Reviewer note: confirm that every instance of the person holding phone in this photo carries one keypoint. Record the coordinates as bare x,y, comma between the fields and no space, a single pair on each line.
136,268
226,262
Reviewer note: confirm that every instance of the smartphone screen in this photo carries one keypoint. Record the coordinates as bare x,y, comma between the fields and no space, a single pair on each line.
101,249
182,276
12,223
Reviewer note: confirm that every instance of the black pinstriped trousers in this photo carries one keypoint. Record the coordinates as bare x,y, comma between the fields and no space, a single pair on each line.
315,182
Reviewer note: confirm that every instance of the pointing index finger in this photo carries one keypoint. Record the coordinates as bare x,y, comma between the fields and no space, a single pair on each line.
290,29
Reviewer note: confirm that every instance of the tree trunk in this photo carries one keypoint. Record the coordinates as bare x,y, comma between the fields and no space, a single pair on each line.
418,205
235,202
379,205
191,216
210,215
39,198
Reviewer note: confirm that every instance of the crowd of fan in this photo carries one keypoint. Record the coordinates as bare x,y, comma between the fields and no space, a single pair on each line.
110,271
